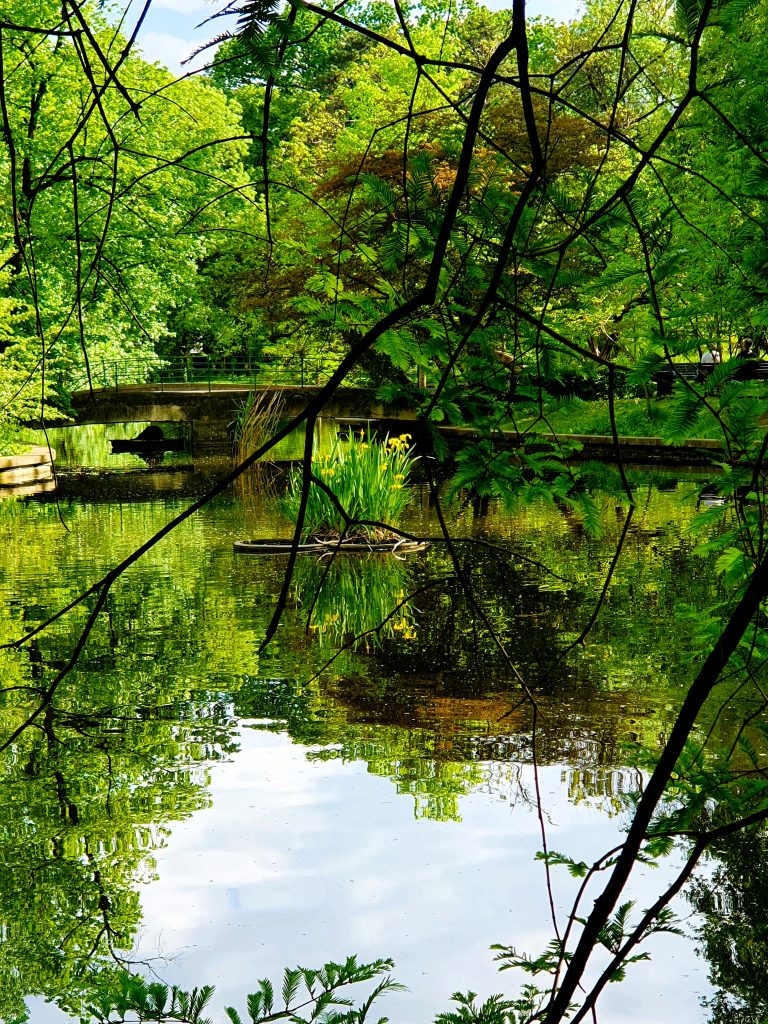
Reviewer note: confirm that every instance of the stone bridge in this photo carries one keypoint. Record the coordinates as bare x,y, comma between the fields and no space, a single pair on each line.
212,409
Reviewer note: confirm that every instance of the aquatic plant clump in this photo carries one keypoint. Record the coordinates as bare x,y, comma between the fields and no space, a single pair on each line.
370,481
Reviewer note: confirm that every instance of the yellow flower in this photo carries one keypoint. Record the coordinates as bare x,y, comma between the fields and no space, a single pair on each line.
398,444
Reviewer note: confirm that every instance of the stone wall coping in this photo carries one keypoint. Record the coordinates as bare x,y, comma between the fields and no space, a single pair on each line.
36,455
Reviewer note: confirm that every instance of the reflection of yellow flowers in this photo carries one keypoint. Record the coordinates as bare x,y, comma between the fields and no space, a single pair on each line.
404,627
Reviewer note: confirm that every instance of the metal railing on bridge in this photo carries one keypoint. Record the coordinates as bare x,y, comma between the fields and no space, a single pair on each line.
297,371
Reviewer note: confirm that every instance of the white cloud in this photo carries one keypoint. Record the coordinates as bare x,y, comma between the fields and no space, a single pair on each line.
170,50
185,6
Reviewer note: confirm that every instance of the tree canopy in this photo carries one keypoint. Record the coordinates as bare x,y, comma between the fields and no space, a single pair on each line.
481,210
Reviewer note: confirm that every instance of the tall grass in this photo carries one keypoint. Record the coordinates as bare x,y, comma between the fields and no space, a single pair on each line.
369,479
257,419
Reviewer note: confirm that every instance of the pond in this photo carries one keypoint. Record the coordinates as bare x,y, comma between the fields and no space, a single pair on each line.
212,812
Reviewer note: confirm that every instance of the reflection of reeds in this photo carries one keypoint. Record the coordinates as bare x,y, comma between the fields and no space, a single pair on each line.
358,594
257,419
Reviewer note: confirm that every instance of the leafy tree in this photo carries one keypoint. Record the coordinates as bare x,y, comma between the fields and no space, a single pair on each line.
472,259
107,208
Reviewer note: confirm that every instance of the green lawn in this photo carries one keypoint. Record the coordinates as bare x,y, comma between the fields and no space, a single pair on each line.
635,417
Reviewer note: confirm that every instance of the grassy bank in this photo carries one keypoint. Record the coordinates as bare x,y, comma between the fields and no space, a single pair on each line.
635,417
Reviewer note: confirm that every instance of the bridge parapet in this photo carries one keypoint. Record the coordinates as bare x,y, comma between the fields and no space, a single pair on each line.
294,371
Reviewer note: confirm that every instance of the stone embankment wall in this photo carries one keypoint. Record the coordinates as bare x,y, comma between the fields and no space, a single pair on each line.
28,473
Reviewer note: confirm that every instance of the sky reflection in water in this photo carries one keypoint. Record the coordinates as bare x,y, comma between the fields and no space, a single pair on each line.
300,858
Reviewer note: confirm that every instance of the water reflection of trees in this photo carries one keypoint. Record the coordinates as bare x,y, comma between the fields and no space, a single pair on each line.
439,702
733,933
88,791
433,707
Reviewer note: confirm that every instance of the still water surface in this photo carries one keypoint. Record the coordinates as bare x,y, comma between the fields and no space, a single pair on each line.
221,812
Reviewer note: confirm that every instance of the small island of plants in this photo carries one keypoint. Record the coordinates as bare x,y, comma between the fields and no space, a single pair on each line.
357,494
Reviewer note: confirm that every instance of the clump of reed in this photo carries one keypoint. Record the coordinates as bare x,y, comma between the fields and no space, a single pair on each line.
257,420
370,481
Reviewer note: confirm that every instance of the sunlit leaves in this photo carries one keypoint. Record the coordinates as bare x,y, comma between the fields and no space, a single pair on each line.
308,995
576,868
685,415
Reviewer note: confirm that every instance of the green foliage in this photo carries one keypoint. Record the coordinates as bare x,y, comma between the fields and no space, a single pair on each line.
548,962
148,1001
495,1009
628,222
539,473
107,204
577,869
308,995
686,415
618,932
